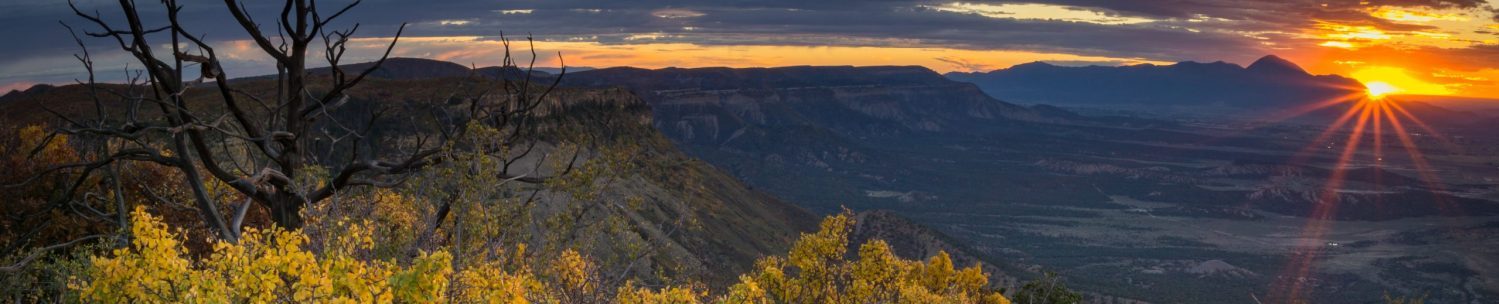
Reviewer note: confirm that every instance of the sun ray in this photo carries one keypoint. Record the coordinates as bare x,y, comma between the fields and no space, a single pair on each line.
1326,134
1446,143
1326,207
1380,109
1375,117
1313,107
1282,116
1423,168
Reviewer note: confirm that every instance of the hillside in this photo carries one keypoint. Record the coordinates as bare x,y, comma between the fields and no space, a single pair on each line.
696,221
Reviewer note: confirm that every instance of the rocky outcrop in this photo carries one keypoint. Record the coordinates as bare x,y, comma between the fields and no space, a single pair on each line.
713,105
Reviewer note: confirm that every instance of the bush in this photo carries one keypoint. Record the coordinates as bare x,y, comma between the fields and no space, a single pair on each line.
275,266
816,271
1049,289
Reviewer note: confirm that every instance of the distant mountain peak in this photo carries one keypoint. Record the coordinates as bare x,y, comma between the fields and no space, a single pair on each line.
1275,64
1270,82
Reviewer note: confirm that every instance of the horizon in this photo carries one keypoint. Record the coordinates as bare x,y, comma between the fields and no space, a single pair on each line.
1443,47
1388,89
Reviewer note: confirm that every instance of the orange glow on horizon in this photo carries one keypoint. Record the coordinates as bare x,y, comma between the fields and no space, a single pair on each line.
646,54
1414,73
1418,50
1383,80
1378,89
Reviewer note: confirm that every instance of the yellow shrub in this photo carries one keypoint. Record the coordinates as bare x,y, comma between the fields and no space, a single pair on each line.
747,291
629,294
49,151
426,281
815,271
275,266
489,283
573,271
153,269
270,265
359,281
266,266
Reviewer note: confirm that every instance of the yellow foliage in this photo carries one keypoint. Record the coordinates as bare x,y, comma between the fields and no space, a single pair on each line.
490,283
426,281
747,291
573,271
153,269
628,294
49,151
815,271
359,281
270,265
394,215
275,266
266,266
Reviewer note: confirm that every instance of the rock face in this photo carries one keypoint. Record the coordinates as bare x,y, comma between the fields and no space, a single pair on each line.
1269,83
719,105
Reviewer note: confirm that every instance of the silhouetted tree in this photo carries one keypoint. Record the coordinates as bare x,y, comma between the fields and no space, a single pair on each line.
280,150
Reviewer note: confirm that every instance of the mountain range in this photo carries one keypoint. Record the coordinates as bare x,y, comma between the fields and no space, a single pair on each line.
1270,82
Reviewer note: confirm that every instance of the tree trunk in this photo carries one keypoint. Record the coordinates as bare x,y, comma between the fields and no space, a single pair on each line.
286,211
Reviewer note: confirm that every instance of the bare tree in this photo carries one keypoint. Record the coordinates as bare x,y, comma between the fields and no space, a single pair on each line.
266,146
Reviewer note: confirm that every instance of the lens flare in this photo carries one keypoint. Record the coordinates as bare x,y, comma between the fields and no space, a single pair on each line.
1366,125
1378,89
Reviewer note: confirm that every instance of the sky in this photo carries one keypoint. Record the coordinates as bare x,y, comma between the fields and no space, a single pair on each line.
1431,47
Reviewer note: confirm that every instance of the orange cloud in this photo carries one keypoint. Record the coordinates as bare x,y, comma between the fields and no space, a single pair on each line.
483,52
1413,15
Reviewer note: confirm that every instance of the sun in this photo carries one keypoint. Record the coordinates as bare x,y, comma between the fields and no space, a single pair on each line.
1378,89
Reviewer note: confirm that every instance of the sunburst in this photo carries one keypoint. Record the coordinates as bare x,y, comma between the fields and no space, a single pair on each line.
1378,90
1370,120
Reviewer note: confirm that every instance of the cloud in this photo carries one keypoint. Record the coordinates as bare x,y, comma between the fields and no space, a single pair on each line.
966,65
1039,12
1203,30
671,13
